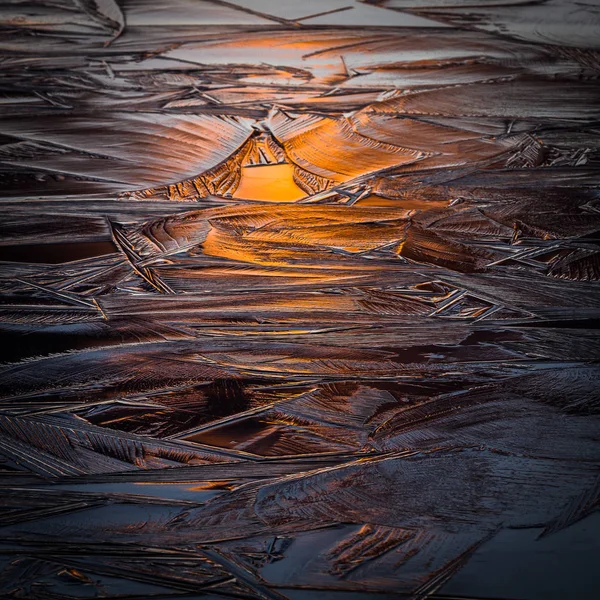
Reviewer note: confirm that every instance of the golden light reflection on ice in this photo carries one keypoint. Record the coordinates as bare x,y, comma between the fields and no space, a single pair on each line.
270,183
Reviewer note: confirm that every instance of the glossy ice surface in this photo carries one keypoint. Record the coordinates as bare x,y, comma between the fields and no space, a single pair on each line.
299,299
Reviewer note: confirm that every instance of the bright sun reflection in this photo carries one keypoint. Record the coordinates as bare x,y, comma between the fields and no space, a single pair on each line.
270,183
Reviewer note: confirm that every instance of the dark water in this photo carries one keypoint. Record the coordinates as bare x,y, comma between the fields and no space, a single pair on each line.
53,254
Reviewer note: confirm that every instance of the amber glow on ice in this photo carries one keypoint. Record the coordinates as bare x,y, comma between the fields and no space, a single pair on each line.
270,183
